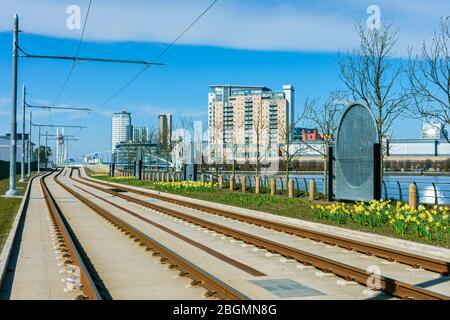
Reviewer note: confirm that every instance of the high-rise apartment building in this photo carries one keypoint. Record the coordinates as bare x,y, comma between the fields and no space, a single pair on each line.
240,118
164,130
121,128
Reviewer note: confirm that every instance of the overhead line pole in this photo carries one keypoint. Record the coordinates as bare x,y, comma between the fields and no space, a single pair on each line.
39,139
141,62
66,150
12,192
39,151
57,126
22,163
59,108
30,151
46,148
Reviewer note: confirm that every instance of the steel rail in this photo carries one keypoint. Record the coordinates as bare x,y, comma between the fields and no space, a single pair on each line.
213,285
391,286
67,246
415,260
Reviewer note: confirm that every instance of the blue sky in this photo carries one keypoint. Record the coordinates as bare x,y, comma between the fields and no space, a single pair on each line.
250,42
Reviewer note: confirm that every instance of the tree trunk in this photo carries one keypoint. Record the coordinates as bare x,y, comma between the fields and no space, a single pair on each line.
326,163
287,174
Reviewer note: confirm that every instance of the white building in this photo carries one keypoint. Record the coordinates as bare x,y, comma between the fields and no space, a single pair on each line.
433,131
121,125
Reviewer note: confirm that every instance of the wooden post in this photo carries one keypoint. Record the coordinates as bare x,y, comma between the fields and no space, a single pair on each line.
173,177
231,183
413,196
220,182
211,180
273,187
202,178
312,190
243,182
291,188
179,176
257,185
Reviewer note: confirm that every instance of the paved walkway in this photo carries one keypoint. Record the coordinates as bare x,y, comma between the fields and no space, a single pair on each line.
126,269
33,272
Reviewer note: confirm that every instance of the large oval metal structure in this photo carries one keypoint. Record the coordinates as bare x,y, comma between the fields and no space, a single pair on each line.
356,156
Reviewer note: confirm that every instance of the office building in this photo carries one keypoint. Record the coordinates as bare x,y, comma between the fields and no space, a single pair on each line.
164,130
433,131
121,128
242,117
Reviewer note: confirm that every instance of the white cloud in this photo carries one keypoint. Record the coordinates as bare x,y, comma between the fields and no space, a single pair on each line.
258,25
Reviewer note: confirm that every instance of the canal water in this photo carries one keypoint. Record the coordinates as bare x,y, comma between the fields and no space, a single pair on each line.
431,189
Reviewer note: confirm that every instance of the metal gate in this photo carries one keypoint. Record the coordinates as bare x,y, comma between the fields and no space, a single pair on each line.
355,168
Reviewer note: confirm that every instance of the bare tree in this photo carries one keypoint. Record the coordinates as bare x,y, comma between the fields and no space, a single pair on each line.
429,77
187,124
286,150
325,117
231,152
259,130
216,150
152,134
372,75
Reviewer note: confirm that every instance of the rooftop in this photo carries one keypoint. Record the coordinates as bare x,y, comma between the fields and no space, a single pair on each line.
238,87
122,112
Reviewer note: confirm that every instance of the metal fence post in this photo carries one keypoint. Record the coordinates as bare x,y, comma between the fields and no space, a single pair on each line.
435,194
330,174
399,191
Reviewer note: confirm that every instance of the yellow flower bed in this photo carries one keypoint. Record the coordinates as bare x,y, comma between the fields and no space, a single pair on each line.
122,178
186,186
431,223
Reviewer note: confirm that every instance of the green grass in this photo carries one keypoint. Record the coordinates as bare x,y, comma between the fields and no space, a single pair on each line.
298,207
8,208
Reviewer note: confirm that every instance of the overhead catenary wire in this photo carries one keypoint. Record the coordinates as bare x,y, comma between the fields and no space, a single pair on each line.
158,57
76,55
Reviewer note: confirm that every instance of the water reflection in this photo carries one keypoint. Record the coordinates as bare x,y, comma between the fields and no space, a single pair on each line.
394,187
428,195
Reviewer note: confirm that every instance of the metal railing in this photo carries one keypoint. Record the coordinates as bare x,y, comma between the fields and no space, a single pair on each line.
429,192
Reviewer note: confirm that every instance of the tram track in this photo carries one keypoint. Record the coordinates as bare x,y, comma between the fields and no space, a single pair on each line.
391,286
414,260
69,248
214,286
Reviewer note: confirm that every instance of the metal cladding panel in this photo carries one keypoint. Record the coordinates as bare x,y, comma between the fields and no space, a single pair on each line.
354,155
